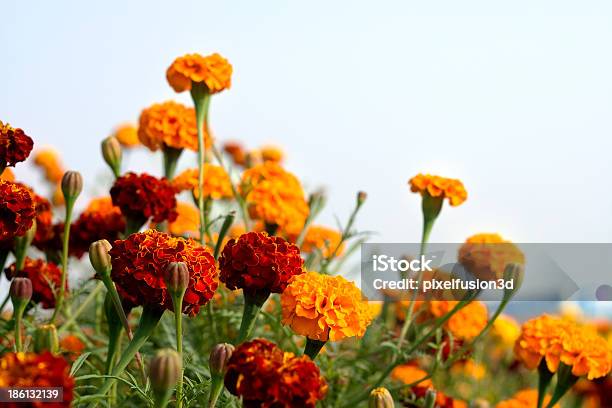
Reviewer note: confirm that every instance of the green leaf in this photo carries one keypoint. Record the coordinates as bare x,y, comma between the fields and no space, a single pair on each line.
78,363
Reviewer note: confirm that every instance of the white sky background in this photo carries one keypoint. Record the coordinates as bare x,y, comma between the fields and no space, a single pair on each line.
514,99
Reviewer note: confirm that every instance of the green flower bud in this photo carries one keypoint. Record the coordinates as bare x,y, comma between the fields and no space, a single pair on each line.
21,291
45,339
99,257
381,398
219,357
112,153
176,276
361,197
165,371
72,185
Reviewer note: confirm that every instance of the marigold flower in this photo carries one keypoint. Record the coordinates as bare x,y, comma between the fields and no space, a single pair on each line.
171,124
324,307
469,368
17,211
437,186
217,184
412,375
44,219
36,370
487,255
467,323
257,262
559,340
127,135
139,262
265,376
7,175
15,145
48,160
141,196
271,153
187,222
46,277
275,196
524,399
100,220
213,70
72,345
323,239
236,151
506,329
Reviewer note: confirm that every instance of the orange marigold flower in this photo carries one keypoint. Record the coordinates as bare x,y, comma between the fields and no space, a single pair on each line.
213,70
506,329
169,124
141,196
469,368
271,153
467,323
324,307
323,239
100,220
437,186
48,160
524,399
127,135
217,184
410,374
72,345
7,175
15,145
58,196
487,255
36,370
275,196
45,276
265,376
236,151
17,211
139,262
188,221
257,262
559,340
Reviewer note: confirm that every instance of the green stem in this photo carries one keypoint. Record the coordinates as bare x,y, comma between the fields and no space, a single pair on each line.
59,303
177,301
313,347
133,225
544,378
171,156
252,306
18,317
90,298
216,387
565,380
201,101
227,223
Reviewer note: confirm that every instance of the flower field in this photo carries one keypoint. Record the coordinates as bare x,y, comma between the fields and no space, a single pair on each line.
216,286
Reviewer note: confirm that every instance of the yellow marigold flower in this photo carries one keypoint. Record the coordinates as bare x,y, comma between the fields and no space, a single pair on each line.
436,186
506,329
319,238
559,340
171,124
410,374
271,153
217,183
7,175
187,222
324,307
127,135
467,323
48,160
524,399
213,70
469,368
487,255
275,196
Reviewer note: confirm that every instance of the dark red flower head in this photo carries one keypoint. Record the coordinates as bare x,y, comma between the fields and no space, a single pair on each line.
45,277
17,210
15,145
257,262
139,263
36,370
141,196
101,220
265,376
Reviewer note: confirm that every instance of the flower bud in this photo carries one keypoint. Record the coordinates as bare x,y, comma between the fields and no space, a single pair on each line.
111,151
361,197
176,276
380,398
45,339
99,257
21,290
430,399
219,357
72,185
165,370
513,272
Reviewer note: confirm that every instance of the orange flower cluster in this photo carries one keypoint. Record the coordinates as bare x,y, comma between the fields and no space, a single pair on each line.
324,307
212,70
467,323
275,196
143,196
138,270
271,153
169,124
127,135
7,175
256,262
323,239
48,160
437,186
559,340
487,255
15,145
265,376
17,211
45,276
217,184
412,375
524,399
30,370
100,220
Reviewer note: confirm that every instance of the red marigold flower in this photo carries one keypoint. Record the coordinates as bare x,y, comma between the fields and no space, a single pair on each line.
15,145
138,270
45,276
141,196
265,376
17,210
258,262
36,370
